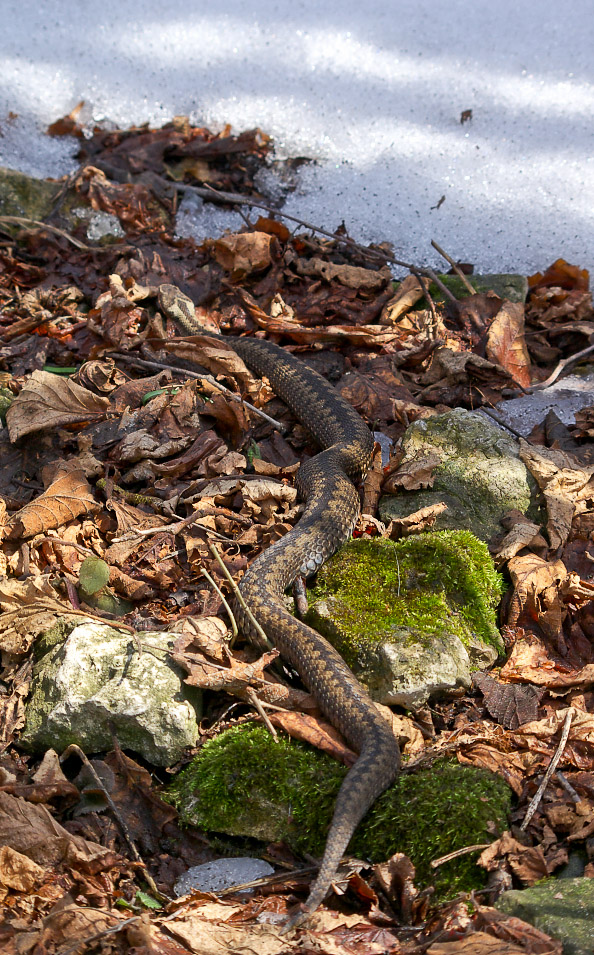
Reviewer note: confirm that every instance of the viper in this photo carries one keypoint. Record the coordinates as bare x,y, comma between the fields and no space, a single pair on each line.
327,482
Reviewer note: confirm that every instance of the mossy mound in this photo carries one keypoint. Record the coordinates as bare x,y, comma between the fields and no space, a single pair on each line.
421,587
244,783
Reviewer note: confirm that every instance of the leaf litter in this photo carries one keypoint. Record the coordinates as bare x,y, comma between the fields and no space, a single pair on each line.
120,446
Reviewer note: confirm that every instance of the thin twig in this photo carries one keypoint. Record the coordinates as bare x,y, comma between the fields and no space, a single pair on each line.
160,528
230,613
563,364
82,942
550,770
455,266
73,748
252,697
162,366
265,641
55,540
457,853
568,787
36,224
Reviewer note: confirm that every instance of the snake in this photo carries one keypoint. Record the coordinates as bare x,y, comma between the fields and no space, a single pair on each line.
327,482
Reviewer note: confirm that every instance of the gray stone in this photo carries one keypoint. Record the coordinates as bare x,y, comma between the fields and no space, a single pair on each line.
222,874
562,908
564,397
99,676
479,477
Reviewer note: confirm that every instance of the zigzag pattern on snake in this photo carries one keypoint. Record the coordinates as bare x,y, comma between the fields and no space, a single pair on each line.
326,483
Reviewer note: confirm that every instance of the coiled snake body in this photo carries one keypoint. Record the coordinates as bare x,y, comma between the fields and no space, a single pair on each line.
325,482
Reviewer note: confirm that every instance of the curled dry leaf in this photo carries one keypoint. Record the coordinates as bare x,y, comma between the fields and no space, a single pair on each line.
413,474
408,293
537,585
526,862
29,607
397,879
562,482
351,276
49,401
244,252
415,523
523,534
480,943
18,872
506,344
68,496
32,830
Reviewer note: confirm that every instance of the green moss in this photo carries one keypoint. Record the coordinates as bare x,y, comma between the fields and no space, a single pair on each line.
433,584
244,783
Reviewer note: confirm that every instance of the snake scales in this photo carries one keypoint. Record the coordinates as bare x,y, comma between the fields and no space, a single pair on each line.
327,483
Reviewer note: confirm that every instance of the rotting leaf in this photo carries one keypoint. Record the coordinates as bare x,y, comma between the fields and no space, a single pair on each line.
67,497
48,401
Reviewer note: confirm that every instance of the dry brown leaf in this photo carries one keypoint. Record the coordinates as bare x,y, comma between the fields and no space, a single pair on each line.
526,862
507,704
506,345
414,473
49,401
66,498
511,929
537,584
480,943
30,607
408,293
210,935
415,523
32,830
397,879
315,731
244,252
18,872
562,482
351,276
523,534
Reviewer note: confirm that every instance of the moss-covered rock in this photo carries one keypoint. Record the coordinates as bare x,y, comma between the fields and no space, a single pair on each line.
561,907
479,477
244,783
411,618
26,196
507,285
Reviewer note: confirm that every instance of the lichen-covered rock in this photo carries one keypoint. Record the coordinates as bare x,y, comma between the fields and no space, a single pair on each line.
243,783
411,618
562,908
480,476
99,676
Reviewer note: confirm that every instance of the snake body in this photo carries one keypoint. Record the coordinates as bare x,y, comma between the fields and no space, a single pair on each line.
327,484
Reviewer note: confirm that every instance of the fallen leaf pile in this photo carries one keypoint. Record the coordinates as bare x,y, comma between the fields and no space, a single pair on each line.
120,448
